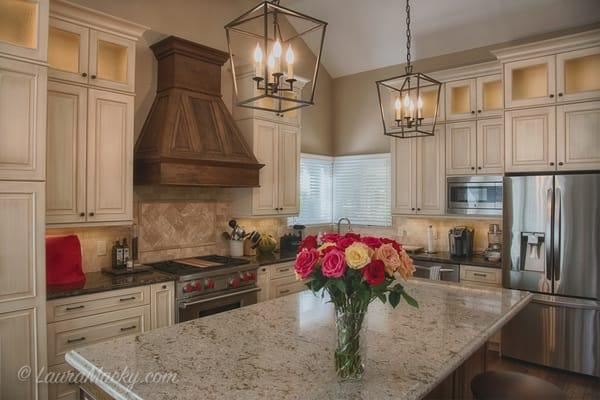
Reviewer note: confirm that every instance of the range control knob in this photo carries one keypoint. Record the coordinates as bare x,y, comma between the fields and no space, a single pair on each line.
187,288
233,282
209,284
197,286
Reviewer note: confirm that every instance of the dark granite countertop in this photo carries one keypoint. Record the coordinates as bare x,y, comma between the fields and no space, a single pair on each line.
275,258
96,282
445,257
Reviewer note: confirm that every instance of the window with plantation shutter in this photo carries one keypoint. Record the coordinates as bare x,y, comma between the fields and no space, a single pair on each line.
316,190
362,189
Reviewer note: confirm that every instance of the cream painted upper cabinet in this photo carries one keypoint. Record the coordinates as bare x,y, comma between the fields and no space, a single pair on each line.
529,82
578,74
490,96
530,140
461,148
23,28
490,146
418,175
66,153
289,169
109,156
22,120
404,176
112,61
431,177
578,136
68,49
461,100
266,150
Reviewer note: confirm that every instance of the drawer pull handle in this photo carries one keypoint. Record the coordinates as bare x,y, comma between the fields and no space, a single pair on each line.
127,298
283,269
479,274
284,291
81,339
75,308
128,328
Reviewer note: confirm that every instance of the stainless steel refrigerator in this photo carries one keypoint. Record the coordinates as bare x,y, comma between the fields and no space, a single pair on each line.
552,247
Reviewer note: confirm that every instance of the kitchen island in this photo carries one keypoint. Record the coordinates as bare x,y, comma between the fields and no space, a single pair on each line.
283,349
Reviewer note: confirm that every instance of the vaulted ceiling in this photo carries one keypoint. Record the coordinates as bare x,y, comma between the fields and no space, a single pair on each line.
368,34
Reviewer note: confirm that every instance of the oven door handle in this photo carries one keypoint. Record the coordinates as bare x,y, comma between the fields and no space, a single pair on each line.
186,304
428,268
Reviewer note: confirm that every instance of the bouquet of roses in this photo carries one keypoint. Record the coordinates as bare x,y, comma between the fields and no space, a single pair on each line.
354,271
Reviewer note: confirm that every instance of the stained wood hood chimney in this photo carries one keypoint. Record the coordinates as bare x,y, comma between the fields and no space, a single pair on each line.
190,138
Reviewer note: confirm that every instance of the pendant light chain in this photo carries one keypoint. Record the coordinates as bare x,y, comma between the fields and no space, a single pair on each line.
408,37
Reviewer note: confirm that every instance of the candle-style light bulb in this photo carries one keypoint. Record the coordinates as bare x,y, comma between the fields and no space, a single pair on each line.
271,66
258,56
412,109
289,58
398,108
420,107
277,49
406,101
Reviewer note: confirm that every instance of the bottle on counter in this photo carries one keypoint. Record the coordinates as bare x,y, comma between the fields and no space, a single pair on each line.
117,255
125,251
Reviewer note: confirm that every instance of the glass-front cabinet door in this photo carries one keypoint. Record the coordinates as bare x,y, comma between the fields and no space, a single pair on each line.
578,74
68,46
530,82
112,61
490,98
460,99
23,25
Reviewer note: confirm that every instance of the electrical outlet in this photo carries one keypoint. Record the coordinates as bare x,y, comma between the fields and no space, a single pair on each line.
101,247
436,236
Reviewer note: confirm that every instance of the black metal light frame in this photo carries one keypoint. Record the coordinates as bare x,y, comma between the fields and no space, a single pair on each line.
277,89
413,84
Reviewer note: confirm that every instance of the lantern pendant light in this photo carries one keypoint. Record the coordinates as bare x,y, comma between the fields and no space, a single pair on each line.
402,99
262,45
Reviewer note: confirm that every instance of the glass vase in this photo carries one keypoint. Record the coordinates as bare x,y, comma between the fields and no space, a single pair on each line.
351,342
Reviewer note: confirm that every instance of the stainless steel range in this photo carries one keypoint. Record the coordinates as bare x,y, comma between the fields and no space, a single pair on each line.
211,284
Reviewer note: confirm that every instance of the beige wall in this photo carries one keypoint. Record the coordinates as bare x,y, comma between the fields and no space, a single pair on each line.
202,21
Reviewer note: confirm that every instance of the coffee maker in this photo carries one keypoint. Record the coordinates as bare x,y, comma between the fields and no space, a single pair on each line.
460,241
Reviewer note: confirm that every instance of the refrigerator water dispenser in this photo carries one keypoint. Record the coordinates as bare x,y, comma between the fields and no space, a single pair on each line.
533,251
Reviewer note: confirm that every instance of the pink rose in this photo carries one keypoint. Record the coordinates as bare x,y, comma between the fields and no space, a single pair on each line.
371,241
334,264
330,237
390,257
406,268
396,245
344,242
305,262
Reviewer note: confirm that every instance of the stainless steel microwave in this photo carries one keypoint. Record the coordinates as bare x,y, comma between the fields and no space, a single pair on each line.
474,195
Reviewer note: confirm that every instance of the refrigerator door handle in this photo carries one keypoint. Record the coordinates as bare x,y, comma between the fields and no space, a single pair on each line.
547,239
557,233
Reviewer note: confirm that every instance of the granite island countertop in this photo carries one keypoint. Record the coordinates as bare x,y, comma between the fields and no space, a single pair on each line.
282,349
445,257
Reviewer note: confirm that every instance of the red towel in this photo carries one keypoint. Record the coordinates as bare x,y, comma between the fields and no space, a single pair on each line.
63,260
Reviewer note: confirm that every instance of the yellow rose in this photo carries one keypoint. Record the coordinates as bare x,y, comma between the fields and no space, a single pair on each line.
357,255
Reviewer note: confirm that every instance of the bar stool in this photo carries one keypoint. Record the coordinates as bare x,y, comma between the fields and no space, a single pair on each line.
501,385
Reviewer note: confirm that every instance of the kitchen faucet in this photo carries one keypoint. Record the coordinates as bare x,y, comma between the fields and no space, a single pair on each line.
340,222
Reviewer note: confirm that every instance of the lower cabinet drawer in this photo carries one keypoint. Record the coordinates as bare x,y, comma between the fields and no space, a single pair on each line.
62,391
284,286
81,306
282,271
489,276
66,335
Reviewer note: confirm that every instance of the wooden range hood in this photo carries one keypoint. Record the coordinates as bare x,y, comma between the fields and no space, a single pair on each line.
190,138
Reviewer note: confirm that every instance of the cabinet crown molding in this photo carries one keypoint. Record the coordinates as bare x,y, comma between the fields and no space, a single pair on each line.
467,71
90,18
549,46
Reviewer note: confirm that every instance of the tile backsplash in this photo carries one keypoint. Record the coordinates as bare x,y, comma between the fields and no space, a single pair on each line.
176,222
